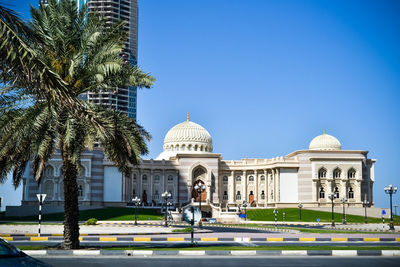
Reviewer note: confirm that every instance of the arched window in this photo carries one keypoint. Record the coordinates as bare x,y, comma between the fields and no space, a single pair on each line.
48,189
225,179
262,178
238,196
262,194
238,178
80,192
134,176
351,174
48,172
251,178
321,193
336,192
144,177
337,173
322,173
170,178
225,196
157,178
251,193
351,193
156,195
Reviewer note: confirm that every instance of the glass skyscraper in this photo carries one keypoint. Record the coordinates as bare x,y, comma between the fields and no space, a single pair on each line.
122,99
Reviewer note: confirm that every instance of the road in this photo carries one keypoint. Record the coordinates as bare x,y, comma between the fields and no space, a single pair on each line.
327,261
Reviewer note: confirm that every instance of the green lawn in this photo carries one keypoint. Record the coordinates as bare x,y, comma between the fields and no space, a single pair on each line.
293,215
107,214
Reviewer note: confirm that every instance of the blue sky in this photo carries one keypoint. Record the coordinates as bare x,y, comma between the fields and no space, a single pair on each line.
265,77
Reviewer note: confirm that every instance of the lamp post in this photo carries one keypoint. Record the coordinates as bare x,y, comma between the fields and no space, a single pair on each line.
300,206
344,200
391,190
136,200
200,188
166,195
245,212
365,204
332,197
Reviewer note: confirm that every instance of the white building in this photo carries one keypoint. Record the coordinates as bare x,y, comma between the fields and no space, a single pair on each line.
187,159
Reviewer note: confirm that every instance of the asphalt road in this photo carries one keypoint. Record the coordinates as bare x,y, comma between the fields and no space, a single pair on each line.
180,244
327,261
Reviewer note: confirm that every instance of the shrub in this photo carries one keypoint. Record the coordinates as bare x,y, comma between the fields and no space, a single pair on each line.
91,221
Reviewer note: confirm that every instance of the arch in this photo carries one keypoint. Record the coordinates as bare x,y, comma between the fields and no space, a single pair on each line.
200,164
251,178
262,178
322,172
225,179
337,173
48,171
351,173
321,192
196,147
82,174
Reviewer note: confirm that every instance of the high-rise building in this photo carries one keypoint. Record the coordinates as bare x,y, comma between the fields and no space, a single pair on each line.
122,99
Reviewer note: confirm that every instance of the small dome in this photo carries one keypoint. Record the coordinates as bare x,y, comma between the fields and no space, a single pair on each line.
186,137
325,142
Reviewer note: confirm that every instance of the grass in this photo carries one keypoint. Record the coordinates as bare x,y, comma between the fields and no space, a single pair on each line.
184,230
293,215
309,230
258,248
106,214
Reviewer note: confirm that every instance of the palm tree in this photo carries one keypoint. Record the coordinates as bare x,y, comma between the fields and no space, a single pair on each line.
65,52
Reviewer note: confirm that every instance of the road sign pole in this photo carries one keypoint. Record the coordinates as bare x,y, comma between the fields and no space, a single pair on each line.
40,214
191,226
41,198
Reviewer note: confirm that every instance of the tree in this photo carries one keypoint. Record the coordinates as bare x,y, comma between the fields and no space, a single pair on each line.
63,53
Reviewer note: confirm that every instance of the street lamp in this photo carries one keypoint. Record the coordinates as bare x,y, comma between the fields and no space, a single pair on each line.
300,206
365,204
245,213
344,200
200,188
391,190
136,200
166,195
332,197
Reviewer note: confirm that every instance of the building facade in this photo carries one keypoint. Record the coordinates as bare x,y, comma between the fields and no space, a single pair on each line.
305,176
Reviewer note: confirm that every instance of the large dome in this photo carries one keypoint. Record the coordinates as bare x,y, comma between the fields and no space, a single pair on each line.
325,142
186,137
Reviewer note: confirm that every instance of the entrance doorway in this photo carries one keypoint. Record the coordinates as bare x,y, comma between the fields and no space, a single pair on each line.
196,195
251,197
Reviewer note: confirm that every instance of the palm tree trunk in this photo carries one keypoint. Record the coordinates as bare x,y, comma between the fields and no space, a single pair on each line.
71,208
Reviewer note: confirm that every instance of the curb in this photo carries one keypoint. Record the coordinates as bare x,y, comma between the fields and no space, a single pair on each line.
239,253
109,238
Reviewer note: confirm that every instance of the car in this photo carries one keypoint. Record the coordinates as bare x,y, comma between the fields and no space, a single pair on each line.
12,256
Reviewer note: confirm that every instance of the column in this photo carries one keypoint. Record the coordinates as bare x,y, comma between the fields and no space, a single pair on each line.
244,186
231,187
176,188
278,191
256,193
275,186
150,199
163,184
139,184
266,185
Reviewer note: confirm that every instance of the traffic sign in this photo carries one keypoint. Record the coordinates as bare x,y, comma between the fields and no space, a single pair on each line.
383,212
41,196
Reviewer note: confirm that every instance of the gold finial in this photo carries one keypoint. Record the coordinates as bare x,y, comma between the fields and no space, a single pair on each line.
188,116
